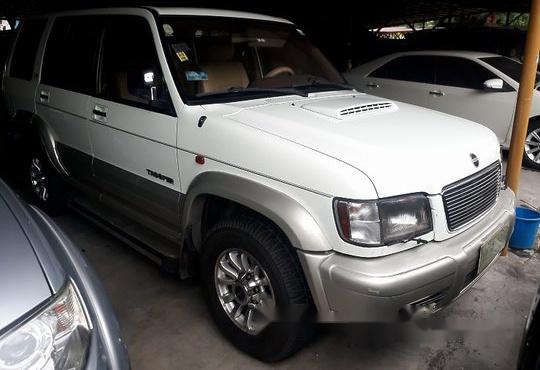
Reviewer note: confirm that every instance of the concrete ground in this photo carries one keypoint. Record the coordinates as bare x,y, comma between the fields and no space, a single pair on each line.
166,325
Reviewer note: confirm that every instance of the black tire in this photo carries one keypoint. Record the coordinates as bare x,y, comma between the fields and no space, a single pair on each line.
53,203
527,161
271,249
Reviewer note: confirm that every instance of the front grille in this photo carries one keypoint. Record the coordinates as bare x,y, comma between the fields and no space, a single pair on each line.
467,199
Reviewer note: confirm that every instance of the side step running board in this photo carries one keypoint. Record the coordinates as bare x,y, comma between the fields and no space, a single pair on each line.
162,252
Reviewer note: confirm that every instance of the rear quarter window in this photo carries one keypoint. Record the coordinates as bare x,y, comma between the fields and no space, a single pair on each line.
25,51
71,54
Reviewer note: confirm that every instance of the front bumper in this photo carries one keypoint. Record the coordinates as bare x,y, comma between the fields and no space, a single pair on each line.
390,288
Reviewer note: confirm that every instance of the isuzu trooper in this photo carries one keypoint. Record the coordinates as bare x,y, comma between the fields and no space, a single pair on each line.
226,141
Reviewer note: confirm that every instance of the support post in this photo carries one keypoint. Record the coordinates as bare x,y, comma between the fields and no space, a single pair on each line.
524,100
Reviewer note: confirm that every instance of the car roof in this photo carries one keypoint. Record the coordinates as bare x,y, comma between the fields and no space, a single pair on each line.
454,53
216,13
175,11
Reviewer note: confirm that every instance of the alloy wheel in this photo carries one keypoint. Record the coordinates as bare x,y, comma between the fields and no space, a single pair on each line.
532,146
38,180
244,290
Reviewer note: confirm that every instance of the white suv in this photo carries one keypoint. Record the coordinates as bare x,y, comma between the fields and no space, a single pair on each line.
226,140
478,86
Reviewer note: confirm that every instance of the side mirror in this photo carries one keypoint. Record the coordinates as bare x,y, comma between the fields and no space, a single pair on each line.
494,84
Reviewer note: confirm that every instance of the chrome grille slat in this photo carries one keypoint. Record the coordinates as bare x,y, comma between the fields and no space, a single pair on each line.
469,198
476,198
483,182
484,204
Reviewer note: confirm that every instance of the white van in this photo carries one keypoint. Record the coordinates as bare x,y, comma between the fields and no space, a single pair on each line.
226,140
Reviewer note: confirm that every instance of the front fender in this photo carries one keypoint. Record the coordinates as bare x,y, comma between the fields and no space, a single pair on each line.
289,215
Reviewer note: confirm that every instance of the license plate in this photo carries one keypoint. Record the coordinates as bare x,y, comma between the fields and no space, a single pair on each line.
492,248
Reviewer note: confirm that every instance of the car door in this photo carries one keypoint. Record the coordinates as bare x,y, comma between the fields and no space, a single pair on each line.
133,129
406,78
21,76
68,79
460,84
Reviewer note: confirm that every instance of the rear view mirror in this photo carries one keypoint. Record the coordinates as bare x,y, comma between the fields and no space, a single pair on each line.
494,84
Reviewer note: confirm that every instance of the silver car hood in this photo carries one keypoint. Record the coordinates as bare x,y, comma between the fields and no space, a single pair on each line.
23,284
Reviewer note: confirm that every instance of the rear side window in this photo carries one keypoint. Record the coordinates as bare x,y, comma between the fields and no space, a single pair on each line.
71,54
130,69
24,53
460,72
418,68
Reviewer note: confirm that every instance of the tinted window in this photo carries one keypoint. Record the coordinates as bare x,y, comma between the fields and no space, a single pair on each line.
24,54
130,70
460,72
408,68
71,54
508,66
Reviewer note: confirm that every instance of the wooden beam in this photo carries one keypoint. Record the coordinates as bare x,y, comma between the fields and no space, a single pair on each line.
524,99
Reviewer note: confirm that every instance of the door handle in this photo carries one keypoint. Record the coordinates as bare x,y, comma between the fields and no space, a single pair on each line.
99,113
437,93
44,96
373,85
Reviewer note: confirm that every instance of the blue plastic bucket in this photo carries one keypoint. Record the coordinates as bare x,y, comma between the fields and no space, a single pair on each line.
525,228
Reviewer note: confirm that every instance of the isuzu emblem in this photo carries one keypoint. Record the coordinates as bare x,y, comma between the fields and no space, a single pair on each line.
475,160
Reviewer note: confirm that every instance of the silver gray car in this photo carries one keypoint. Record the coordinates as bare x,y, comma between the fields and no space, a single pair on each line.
54,313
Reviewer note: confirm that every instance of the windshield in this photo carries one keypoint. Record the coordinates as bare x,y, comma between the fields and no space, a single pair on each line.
216,59
508,66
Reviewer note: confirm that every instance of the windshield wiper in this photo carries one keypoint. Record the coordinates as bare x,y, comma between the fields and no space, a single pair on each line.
258,90
325,84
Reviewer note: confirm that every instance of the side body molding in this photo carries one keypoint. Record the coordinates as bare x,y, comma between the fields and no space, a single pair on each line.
293,219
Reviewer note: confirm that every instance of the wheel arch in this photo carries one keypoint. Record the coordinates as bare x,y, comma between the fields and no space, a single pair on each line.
287,214
31,130
534,118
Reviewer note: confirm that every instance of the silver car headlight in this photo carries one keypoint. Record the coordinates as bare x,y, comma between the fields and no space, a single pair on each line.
383,222
56,338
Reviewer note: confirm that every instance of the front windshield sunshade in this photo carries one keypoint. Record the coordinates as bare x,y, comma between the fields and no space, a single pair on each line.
216,59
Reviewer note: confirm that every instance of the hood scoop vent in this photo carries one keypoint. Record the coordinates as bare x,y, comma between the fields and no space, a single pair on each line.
366,108
350,108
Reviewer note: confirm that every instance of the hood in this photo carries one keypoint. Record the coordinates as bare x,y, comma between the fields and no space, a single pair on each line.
402,148
23,285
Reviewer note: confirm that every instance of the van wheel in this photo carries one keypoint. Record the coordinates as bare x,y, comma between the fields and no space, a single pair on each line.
44,184
531,157
255,289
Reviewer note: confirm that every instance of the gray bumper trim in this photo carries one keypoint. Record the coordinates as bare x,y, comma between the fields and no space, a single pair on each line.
352,289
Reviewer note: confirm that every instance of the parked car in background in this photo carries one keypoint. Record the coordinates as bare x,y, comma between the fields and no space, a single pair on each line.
227,141
478,86
508,41
54,312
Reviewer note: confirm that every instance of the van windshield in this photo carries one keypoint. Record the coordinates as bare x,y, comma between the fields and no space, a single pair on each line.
215,59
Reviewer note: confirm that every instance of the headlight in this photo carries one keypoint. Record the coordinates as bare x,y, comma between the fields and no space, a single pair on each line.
56,338
383,222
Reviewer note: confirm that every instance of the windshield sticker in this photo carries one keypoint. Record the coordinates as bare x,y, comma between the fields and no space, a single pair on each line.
196,76
167,28
182,56
181,50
